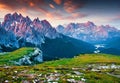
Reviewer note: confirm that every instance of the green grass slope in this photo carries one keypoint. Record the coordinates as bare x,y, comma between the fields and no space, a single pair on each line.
15,55
63,69
85,59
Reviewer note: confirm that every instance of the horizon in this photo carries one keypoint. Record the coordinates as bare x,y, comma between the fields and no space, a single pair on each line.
2,20
60,12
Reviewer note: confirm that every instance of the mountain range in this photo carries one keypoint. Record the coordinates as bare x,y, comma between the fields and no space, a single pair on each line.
89,32
18,31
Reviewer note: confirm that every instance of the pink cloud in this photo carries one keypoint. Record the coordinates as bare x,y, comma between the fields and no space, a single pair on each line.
61,16
31,4
58,1
40,8
116,18
70,6
52,6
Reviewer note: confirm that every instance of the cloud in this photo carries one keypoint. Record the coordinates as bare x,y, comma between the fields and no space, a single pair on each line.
31,4
71,6
52,6
78,15
54,15
47,9
4,7
18,4
10,4
115,18
60,16
75,16
58,1
23,6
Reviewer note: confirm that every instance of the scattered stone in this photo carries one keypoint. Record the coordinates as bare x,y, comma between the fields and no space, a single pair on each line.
6,81
71,80
25,81
83,79
78,73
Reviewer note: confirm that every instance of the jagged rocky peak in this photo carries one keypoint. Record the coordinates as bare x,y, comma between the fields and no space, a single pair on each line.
27,18
10,17
72,25
108,28
60,28
46,24
25,30
7,17
15,15
89,23
36,20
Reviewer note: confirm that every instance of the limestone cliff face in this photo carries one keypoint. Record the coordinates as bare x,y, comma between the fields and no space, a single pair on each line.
32,58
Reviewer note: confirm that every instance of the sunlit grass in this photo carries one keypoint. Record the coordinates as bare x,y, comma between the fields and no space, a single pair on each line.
84,59
6,58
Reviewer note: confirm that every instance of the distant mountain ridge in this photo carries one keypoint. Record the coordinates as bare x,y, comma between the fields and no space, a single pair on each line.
89,32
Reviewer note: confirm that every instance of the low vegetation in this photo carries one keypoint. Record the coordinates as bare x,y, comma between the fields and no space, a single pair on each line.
85,68
6,58
85,59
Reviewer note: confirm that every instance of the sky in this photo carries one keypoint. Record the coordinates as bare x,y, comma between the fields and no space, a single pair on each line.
101,12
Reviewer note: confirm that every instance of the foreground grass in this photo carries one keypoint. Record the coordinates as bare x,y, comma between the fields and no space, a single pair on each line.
84,59
63,68
15,55
23,74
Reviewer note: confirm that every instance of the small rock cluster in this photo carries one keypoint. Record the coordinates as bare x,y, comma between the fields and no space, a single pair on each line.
34,57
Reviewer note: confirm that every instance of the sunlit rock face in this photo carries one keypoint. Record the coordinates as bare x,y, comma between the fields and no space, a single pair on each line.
34,57
28,31
89,32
